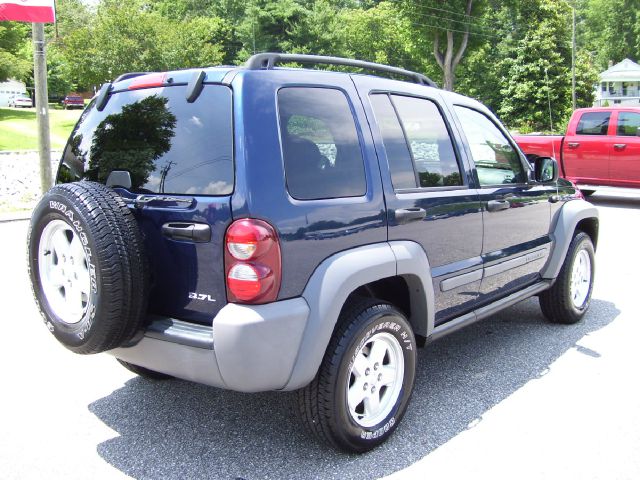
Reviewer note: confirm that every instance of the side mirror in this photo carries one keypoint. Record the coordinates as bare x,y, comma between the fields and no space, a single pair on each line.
545,169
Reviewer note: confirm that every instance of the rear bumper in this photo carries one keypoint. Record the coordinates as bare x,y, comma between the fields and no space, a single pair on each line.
246,348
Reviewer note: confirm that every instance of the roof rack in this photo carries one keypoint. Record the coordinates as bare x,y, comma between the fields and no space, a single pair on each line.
267,61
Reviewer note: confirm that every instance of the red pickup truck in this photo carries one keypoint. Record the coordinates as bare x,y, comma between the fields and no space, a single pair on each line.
601,147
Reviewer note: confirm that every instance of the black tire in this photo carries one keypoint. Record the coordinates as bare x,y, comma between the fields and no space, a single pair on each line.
556,303
323,405
144,372
587,193
109,245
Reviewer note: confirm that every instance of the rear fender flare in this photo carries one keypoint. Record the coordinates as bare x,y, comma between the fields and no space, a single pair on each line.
339,275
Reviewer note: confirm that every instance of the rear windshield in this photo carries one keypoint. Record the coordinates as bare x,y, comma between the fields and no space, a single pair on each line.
165,143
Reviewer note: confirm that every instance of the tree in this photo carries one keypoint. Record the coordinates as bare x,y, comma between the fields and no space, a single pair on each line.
535,67
448,29
611,30
14,59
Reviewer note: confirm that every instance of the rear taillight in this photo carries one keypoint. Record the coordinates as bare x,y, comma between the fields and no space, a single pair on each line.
148,81
252,262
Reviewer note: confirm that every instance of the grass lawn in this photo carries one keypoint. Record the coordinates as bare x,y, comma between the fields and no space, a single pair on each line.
18,129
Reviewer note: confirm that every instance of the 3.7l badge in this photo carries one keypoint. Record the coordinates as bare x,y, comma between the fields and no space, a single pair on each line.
201,296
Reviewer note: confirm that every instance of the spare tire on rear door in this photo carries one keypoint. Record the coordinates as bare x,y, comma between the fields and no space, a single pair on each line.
87,267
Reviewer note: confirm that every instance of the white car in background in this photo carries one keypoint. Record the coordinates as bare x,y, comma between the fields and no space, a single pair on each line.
21,101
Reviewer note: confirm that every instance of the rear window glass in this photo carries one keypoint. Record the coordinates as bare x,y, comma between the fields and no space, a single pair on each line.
593,123
320,145
628,124
166,144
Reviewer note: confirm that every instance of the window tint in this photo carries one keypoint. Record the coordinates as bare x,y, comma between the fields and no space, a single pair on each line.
628,124
433,154
395,144
593,123
320,145
497,162
166,144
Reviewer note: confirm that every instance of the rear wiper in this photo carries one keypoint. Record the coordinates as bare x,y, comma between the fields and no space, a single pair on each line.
142,200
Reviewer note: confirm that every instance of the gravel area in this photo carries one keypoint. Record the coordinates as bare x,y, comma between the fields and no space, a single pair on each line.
20,179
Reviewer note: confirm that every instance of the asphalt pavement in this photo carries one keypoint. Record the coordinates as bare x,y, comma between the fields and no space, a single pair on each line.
510,397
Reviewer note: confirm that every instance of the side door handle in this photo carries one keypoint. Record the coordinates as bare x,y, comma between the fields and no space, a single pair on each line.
619,146
573,144
406,215
497,205
192,232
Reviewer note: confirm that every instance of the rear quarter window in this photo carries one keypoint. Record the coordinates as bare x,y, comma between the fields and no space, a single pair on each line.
320,144
165,143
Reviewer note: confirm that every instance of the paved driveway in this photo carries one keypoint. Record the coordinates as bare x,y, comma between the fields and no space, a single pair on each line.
510,397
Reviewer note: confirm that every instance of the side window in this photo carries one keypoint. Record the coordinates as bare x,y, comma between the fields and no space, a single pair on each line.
593,123
497,162
395,144
429,142
320,145
628,124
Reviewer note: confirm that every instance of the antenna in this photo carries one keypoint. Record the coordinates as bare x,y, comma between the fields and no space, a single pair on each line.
546,78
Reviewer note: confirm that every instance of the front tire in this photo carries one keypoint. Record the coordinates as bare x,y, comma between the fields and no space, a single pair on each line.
570,296
364,383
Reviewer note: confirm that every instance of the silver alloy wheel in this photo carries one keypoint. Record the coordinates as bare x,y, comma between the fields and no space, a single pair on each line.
375,379
64,271
580,279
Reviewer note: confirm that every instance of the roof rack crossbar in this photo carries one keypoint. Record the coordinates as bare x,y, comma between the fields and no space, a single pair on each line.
267,61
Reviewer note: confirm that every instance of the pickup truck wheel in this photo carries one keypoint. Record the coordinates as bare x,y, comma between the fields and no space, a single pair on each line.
568,299
365,381
144,372
587,193
87,267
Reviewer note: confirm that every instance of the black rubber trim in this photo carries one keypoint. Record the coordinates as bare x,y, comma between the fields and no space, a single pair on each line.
488,310
177,331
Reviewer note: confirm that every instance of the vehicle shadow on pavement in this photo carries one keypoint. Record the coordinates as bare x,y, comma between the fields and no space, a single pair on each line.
177,429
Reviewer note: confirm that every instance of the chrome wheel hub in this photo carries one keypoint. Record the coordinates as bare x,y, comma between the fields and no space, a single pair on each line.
64,271
375,379
580,279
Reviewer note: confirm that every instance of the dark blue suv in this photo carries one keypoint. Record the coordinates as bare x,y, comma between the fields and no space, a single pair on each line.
260,228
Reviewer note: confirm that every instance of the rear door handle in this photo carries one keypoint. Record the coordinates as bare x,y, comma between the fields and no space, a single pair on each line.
619,146
406,215
573,144
192,232
497,205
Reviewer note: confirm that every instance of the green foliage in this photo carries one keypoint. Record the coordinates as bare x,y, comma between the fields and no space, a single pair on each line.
14,59
611,30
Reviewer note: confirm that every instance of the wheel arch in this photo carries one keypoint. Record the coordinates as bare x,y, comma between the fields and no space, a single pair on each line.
402,266
575,215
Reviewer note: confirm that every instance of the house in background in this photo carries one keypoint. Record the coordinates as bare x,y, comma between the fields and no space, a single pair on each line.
9,89
619,85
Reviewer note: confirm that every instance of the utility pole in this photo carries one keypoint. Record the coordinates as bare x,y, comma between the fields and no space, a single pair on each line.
573,59
42,105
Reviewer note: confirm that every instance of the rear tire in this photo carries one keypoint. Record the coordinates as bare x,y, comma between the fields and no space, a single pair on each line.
144,372
570,296
364,384
587,193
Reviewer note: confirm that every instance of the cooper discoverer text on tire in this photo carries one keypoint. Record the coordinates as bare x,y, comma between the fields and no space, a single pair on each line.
87,267
365,381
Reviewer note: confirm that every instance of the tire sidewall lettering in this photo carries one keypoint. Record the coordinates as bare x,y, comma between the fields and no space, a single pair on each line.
379,432
57,209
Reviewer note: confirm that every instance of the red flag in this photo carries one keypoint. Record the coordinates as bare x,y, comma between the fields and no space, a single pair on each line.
33,11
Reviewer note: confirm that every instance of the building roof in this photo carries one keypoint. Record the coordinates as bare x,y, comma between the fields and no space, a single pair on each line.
625,71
